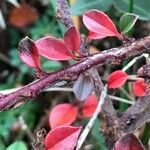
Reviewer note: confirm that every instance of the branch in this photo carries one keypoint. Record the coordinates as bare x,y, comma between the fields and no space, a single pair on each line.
63,13
136,115
110,56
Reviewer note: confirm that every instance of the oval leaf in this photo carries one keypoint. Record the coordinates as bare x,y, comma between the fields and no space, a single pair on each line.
117,79
18,145
128,142
83,87
127,22
53,49
28,53
140,8
23,16
139,88
62,114
99,23
95,36
72,38
90,105
64,137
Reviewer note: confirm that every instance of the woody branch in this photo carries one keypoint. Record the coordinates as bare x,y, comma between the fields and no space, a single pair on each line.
110,56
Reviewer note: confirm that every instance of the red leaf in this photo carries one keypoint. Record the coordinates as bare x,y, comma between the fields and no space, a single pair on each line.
62,114
139,87
89,106
128,142
99,23
53,49
23,15
72,38
28,53
117,79
95,36
64,137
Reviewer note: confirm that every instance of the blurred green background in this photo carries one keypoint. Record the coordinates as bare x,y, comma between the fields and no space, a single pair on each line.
18,127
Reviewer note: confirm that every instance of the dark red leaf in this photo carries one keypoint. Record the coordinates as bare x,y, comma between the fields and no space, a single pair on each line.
23,15
53,48
62,138
128,142
117,79
139,87
28,53
89,106
62,114
99,24
83,87
72,38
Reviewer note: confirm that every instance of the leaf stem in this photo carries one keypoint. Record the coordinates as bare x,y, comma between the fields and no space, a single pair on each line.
130,6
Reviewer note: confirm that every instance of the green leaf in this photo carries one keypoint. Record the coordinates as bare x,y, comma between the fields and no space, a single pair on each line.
18,145
2,146
146,134
140,7
83,5
98,137
127,22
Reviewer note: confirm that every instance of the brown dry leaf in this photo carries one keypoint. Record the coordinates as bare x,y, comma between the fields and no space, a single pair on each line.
23,16
93,50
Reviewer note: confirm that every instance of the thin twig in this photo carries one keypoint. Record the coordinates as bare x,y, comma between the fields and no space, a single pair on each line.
120,99
126,94
133,61
93,119
133,77
69,89
25,128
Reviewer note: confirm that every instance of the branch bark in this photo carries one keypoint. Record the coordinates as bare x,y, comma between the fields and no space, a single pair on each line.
136,115
110,56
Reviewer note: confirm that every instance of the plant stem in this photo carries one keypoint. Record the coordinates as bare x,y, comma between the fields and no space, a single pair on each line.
121,99
71,73
126,94
133,61
130,6
93,119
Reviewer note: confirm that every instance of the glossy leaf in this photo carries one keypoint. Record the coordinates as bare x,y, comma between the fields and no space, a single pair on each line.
99,23
80,6
139,88
18,145
95,36
62,114
64,137
23,15
117,79
28,53
127,22
53,49
128,142
140,8
89,106
83,87
72,38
